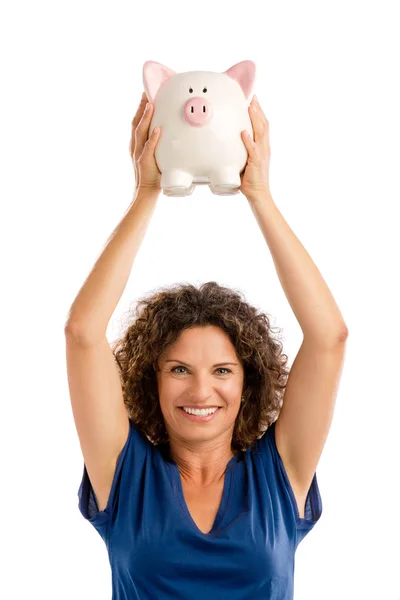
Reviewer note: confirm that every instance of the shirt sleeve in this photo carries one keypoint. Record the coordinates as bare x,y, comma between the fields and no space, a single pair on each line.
133,451
313,504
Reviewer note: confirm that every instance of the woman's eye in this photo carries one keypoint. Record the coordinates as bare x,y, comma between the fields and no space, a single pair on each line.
184,368
174,369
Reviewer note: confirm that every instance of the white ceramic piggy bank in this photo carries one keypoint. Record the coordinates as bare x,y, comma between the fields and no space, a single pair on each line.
201,115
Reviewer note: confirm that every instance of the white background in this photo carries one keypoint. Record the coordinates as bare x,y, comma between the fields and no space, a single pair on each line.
327,80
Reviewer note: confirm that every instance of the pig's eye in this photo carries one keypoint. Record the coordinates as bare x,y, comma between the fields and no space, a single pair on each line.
191,90
205,89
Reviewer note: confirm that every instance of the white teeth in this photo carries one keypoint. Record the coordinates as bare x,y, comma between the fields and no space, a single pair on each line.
201,412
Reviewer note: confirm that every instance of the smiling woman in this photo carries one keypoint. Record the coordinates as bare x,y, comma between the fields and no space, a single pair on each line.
165,487
184,482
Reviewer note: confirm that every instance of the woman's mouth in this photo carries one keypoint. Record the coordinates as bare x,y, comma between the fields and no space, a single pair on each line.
199,418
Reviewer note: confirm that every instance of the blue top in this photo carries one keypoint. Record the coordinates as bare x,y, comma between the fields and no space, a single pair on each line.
157,552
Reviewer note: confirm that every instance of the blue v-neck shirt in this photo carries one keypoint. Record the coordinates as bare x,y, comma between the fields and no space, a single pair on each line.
157,552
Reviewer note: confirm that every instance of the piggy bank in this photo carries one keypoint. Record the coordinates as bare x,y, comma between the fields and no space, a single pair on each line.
201,115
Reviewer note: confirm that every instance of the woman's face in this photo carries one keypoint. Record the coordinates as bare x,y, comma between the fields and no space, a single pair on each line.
200,369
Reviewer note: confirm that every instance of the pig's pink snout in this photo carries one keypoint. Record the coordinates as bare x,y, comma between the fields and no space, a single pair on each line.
197,111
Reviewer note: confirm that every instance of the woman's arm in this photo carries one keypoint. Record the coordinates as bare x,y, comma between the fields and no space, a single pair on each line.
309,296
92,309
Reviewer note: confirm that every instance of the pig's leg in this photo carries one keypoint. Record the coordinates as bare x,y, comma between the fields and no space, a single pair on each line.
225,181
176,182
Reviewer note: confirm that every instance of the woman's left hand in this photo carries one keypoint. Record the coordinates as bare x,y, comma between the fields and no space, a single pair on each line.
255,178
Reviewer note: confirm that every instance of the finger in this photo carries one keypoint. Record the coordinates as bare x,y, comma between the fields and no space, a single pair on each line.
136,119
257,125
153,139
149,147
259,111
140,110
142,130
249,143
260,126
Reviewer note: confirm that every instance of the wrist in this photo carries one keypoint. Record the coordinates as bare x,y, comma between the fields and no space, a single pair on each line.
261,195
147,192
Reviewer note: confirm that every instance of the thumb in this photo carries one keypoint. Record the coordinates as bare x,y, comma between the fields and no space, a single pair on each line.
248,141
153,139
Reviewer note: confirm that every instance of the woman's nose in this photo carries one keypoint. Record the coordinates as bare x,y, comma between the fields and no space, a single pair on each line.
202,390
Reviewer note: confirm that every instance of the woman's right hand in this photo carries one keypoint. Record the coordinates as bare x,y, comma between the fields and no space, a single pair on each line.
142,148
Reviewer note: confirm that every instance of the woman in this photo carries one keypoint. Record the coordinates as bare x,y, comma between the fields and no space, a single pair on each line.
214,505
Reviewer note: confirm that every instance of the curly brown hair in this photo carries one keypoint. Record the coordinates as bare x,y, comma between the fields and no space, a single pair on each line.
159,320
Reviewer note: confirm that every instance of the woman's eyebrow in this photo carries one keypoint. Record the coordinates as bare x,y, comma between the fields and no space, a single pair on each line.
187,365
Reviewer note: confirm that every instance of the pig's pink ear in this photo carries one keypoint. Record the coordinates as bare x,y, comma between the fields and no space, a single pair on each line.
244,74
154,75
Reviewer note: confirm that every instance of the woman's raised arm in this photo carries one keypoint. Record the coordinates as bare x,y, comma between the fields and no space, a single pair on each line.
92,309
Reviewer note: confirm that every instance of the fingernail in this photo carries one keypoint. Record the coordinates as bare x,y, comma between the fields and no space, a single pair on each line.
148,107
